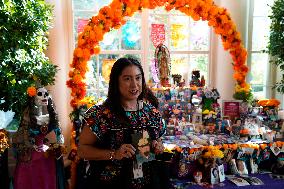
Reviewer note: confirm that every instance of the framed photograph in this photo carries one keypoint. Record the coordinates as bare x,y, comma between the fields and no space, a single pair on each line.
142,143
231,108
275,149
197,118
242,168
170,131
221,173
214,175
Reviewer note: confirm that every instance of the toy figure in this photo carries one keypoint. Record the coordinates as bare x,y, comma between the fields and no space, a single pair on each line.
195,81
215,94
39,135
176,78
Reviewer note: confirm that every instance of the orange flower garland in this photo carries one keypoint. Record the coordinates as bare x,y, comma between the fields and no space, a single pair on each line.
114,16
269,102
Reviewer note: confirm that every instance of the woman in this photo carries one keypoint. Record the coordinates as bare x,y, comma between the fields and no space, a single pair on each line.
106,137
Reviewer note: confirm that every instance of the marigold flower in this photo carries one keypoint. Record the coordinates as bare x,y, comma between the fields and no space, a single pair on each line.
86,54
31,91
78,52
77,78
269,102
97,50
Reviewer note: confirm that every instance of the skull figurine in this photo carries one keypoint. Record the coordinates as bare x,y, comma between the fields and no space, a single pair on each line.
41,99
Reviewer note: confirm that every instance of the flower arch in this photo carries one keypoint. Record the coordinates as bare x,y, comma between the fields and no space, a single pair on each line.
114,16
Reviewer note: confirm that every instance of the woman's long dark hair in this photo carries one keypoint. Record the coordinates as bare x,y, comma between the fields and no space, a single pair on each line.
113,98
151,98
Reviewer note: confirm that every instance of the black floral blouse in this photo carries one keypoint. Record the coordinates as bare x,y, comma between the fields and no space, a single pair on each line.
112,132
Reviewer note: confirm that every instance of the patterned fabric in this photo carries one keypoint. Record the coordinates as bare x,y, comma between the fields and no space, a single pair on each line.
39,172
112,132
34,170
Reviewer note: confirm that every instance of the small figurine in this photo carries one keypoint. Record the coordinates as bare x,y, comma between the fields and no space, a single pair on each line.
176,78
202,81
195,79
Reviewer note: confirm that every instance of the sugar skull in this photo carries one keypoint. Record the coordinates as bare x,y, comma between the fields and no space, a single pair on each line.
41,99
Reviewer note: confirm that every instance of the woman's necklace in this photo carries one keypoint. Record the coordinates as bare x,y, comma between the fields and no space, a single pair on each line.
133,107
130,108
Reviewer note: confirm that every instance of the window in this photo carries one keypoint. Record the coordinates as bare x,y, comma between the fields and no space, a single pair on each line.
188,46
258,60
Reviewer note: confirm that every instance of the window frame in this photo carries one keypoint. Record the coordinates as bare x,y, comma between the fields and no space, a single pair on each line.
145,42
269,78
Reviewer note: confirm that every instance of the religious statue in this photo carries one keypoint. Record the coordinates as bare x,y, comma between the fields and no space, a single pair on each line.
162,58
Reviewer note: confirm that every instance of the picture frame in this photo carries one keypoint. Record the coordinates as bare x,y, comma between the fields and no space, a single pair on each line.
214,175
231,108
221,172
197,118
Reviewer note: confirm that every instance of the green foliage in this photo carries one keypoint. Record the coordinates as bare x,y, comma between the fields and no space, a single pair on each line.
244,96
23,38
276,38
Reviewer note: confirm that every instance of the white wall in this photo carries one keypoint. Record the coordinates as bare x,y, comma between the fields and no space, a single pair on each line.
58,52
222,72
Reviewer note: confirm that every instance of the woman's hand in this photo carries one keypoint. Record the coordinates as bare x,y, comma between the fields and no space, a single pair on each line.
158,146
125,151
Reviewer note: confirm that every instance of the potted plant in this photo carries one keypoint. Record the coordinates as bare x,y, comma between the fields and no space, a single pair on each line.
276,39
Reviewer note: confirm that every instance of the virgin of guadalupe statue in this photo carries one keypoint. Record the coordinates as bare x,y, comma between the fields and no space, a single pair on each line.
38,134
162,59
